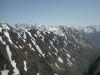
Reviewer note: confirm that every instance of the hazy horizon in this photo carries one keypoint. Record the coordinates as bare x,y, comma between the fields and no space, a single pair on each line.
52,12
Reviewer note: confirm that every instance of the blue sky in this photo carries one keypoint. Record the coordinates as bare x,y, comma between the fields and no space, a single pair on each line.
53,12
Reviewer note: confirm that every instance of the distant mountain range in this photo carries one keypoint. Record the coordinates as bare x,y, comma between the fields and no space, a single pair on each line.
44,50
91,29
88,28
92,33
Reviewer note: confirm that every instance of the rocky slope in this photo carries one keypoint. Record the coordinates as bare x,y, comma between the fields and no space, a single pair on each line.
92,33
44,50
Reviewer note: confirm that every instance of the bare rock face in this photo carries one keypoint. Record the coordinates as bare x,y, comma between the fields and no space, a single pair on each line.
52,51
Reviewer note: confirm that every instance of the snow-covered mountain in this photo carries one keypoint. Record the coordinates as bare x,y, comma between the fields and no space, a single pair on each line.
91,29
44,50
92,33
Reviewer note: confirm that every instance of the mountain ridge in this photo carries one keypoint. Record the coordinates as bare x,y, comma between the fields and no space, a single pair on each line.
55,51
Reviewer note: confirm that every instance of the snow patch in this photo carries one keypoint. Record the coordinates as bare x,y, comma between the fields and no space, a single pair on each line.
20,47
57,65
15,46
53,29
0,30
65,43
7,35
61,50
25,68
49,53
5,26
66,37
24,35
35,35
57,31
30,35
73,59
69,62
16,42
39,34
25,52
38,74
88,30
38,48
31,47
15,70
2,40
49,47
59,59
55,54
53,46
4,72
69,55
44,33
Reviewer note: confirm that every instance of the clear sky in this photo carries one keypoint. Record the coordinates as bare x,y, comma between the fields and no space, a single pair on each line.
53,12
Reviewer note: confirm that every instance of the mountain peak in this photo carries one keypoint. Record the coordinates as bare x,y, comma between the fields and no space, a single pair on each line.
4,26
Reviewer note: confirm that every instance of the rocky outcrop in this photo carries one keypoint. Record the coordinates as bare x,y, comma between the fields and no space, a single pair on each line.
55,51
